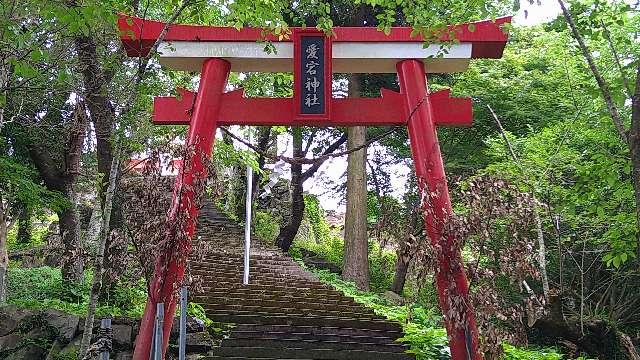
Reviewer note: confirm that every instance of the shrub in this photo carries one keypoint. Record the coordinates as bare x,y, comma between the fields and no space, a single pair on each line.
382,265
266,226
42,288
36,284
513,353
38,234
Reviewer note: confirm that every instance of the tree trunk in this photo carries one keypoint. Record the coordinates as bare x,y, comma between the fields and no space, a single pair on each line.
25,225
627,344
4,258
97,100
4,82
634,145
356,250
400,277
94,228
289,231
264,135
69,222
99,261
406,251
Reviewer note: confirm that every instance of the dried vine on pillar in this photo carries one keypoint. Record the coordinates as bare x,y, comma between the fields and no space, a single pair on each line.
494,215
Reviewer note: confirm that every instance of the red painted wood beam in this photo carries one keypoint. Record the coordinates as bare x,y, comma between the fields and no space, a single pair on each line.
169,267
385,111
451,280
138,35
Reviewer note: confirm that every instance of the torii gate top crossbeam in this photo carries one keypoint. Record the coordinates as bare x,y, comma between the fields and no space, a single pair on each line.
355,49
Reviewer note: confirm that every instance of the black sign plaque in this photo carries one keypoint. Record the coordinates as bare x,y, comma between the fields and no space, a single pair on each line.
312,79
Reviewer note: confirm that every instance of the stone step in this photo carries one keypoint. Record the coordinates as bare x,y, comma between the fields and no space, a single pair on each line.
319,290
276,343
218,302
317,331
254,277
227,282
300,320
294,311
233,259
247,292
254,269
272,256
285,312
205,260
318,354
275,300
342,338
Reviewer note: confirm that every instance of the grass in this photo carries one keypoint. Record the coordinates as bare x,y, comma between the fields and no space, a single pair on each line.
43,288
422,326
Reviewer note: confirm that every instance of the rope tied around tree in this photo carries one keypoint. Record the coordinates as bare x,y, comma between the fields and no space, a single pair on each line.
319,159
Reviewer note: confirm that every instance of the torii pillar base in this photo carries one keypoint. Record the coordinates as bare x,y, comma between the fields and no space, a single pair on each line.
169,268
436,205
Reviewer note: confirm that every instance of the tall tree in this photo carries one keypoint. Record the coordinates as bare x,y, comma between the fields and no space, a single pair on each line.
299,176
59,169
604,16
356,249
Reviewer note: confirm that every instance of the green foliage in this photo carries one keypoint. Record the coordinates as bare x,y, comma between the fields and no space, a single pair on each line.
197,311
382,264
19,185
514,353
43,288
69,355
37,238
317,218
265,226
421,326
329,245
592,191
426,342
226,155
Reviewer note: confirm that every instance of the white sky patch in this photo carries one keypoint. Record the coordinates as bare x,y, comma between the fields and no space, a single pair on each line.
534,14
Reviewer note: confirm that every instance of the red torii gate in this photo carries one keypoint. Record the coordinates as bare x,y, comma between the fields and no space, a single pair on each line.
312,57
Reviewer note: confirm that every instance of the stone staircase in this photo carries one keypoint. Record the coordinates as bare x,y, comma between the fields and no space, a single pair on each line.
285,312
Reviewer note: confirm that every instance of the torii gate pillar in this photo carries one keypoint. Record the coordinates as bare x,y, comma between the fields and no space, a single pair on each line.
436,206
202,130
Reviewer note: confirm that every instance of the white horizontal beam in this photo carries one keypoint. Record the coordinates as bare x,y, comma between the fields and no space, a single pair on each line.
348,57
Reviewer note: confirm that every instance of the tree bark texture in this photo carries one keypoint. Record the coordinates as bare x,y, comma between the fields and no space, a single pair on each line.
634,146
99,261
289,231
4,257
356,249
400,277
406,251
69,222
25,225
98,104
60,175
